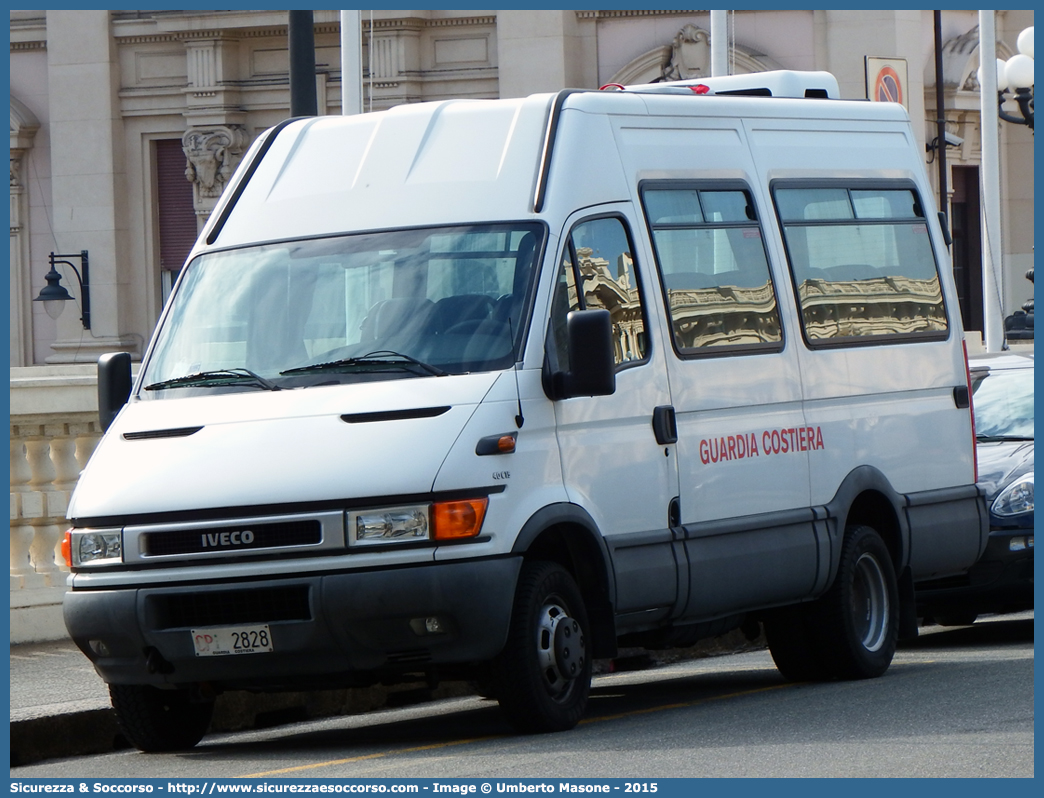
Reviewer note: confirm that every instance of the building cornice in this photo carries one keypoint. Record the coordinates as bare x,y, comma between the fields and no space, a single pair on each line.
627,13
280,31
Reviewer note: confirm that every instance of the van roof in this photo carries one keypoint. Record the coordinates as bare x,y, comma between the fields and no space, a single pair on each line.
335,174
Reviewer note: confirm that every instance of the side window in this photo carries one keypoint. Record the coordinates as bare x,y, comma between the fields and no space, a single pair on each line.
715,272
598,257
862,263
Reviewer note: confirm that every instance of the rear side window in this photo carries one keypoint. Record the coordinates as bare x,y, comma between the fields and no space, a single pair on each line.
862,262
713,267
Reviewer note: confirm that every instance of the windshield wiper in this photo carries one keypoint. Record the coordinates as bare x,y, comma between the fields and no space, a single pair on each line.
216,377
999,438
383,357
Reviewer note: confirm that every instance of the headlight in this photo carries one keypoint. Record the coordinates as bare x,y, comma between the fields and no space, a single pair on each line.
450,520
390,525
1015,499
90,547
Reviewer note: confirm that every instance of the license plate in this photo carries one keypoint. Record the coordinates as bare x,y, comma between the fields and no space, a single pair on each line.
222,641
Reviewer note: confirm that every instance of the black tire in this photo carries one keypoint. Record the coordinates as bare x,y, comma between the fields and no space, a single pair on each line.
156,720
789,632
543,675
860,612
851,631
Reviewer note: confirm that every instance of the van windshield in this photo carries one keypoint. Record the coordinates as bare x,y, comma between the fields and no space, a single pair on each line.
384,305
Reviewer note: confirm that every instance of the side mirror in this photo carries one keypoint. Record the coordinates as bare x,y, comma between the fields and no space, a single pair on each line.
114,385
592,364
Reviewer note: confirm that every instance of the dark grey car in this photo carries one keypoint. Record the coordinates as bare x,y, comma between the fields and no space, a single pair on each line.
1002,580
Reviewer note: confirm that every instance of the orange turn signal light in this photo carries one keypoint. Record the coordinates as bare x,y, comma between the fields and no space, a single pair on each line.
67,547
458,519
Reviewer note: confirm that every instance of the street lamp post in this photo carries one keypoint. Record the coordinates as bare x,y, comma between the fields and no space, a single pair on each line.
992,312
996,82
1016,75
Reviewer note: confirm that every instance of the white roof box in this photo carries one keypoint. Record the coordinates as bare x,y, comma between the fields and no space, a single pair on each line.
778,83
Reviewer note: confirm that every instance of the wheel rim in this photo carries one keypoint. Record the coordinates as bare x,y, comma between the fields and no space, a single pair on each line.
561,650
870,603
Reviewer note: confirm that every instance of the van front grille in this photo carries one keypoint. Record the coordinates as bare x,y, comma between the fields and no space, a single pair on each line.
232,539
229,607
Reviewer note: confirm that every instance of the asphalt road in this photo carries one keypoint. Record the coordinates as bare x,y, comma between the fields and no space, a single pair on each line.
955,703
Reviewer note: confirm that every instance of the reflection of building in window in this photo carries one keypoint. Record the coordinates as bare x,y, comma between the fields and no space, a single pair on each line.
863,261
724,315
877,306
618,296
715,272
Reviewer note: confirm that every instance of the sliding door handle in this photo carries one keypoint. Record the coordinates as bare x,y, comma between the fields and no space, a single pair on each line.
665,425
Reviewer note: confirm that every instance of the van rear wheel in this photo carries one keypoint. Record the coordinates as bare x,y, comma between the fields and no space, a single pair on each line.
852,630
861,610
543,675
156,720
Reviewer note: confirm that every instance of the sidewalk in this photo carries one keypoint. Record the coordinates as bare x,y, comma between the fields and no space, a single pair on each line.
60,706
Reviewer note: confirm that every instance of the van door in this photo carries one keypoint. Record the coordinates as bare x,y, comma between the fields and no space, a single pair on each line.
744,449
612,463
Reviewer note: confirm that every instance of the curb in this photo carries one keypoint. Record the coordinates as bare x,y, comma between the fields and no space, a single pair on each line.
91,732
96,731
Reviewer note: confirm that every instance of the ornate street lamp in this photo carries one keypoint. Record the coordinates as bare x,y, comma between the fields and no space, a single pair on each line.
54,295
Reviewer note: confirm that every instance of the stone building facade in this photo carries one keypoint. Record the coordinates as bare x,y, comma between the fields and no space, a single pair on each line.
126,125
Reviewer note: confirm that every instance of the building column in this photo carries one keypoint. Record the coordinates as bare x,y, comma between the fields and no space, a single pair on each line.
539,50
23,130
89,196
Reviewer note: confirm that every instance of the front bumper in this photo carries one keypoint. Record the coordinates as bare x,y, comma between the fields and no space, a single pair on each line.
332,629
1000,581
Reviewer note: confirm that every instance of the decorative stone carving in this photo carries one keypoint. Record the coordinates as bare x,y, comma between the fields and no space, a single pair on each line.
690,55
960,56
212,155
23,130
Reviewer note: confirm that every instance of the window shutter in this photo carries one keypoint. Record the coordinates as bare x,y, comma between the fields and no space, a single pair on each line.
177,216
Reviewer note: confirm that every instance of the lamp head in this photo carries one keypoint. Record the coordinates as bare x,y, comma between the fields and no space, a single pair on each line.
53,295
1025,42
1018,71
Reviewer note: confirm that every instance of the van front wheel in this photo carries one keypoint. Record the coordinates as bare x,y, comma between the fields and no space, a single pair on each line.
155,720
543,674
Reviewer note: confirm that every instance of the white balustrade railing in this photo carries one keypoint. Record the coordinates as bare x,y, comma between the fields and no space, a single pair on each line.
54,429
47,456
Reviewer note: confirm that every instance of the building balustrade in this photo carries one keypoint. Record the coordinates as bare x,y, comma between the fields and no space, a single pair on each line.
47,456
54,429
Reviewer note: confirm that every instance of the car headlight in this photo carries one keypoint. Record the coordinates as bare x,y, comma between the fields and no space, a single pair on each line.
1015,499
450,520
91,547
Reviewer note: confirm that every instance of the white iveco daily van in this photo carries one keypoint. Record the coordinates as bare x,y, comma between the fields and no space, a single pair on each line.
489,388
